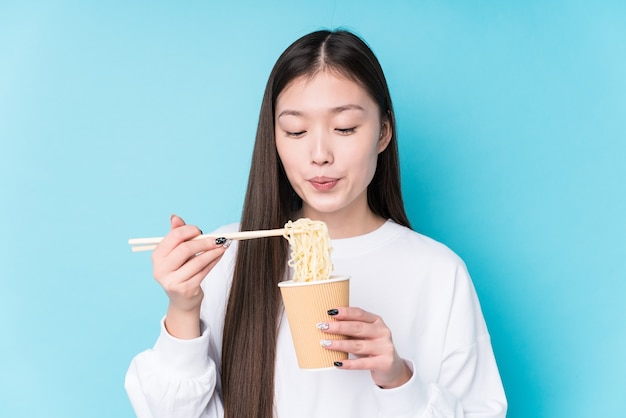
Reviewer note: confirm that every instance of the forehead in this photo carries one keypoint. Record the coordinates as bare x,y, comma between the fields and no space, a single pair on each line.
326,89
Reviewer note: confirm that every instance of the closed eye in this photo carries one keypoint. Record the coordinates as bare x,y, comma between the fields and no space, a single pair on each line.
345,131
295,134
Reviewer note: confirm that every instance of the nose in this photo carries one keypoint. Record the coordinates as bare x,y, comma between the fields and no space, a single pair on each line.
321,152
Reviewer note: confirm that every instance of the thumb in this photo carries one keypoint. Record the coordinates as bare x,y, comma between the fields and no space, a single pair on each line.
176,221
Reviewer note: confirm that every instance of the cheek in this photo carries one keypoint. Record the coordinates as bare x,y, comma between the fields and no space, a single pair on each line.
291,153
366,158
370,168
284,148
370,163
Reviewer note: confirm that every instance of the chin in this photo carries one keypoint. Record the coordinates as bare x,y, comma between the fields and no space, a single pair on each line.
321,210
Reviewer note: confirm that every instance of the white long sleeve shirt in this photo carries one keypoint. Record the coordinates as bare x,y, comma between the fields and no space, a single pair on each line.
420,289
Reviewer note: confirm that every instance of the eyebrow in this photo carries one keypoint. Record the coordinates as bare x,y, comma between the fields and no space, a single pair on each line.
334,110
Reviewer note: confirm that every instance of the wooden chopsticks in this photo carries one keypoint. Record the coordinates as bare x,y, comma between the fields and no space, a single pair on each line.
149,244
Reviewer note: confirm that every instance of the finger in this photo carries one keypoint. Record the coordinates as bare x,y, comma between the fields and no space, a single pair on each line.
363,363
359,330
189,281
360,348
176,221
190,275
198,267
174,238
187,251
350,313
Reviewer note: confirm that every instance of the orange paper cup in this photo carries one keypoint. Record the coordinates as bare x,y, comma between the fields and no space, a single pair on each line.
306,305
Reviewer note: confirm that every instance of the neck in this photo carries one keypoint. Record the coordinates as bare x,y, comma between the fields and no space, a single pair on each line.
347,225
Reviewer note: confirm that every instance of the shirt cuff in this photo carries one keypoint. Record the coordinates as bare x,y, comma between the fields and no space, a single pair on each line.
183,358
404,400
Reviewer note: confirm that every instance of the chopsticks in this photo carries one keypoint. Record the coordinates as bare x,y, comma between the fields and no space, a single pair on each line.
149,244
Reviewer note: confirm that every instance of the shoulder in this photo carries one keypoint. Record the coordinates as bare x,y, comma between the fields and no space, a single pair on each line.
407,241
396,249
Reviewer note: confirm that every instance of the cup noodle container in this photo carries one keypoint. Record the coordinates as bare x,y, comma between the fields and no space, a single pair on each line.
306,305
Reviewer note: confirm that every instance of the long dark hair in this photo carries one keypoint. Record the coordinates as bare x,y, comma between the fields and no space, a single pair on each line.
253,311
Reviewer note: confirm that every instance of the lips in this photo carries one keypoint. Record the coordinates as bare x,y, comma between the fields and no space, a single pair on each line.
323,183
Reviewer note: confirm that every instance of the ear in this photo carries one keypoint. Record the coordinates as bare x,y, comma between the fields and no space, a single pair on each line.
385,135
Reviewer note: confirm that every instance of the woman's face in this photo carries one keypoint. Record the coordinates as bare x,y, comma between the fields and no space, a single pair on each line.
328,134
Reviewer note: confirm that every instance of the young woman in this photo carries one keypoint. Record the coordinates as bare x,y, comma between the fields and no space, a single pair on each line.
325,149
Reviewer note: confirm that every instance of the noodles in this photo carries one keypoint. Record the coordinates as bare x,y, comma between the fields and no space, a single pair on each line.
310,250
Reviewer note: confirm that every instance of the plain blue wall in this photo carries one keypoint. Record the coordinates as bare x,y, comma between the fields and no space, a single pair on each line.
512,127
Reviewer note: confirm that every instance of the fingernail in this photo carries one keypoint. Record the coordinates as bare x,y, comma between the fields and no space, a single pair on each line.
338,363
326,343
332,312
227,243
220,241
322,325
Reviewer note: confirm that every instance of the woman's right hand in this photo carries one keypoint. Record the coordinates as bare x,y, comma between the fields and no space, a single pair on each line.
179,265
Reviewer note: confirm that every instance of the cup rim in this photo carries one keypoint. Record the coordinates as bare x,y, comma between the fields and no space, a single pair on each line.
332,279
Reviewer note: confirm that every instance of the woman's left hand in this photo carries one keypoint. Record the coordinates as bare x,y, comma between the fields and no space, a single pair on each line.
369,339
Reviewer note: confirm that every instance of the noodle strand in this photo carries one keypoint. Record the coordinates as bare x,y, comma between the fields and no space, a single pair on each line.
310,250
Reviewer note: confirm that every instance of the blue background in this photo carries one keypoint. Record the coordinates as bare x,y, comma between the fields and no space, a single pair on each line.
113,115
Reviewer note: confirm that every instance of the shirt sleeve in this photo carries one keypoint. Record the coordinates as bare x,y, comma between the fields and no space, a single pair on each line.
176,378
469,383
